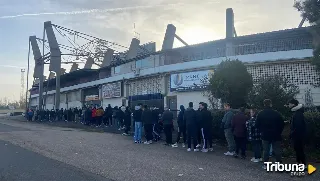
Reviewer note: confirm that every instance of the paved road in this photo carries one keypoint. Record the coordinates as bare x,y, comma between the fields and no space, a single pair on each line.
116,157
19,164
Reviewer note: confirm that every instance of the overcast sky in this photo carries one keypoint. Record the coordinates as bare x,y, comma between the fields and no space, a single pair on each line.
196,21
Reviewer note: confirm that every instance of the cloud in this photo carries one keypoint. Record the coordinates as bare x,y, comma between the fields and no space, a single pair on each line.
91,11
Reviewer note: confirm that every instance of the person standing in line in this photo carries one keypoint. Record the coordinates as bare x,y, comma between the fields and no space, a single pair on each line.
167,119
94,116
109,115
226,126
127,121
190,116
205,119
298,130
181,128
99,114
137,117
238,125
147,123
254,136
198,126
271,125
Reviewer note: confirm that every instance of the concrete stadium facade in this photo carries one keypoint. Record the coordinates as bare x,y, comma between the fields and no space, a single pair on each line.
155,79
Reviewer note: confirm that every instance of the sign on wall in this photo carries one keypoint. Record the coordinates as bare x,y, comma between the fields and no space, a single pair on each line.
189,81
111,90
92,98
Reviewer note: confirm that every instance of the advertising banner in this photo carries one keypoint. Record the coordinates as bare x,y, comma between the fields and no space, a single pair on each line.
190,81
111,90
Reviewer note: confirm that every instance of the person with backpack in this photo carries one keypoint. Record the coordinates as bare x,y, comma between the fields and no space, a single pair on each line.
238,125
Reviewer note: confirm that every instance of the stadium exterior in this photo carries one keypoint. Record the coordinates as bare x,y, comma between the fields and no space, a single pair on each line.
173,76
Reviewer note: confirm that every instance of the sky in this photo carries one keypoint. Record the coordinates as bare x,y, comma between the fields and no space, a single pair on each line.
113,20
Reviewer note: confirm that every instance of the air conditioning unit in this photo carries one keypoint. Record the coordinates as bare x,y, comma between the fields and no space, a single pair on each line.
136,72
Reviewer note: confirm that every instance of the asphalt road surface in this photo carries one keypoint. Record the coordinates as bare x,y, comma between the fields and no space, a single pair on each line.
31,152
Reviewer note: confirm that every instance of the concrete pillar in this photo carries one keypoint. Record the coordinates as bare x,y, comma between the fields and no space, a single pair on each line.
74,67
89,63
55,58
107,59
229,32
38,69
169,37
133,50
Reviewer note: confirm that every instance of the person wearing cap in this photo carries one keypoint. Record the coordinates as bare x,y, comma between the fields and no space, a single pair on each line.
298,130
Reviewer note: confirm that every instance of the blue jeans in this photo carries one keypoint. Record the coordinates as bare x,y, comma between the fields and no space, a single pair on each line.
257,148
137,131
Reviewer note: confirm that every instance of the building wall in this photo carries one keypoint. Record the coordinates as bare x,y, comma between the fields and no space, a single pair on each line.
301,73
112,101
183,98
149,85
34,101
74,104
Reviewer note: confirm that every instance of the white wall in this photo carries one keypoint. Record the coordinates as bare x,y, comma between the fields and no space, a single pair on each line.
50,106
206,63
183,98
315,93
74,104
63,105
112,101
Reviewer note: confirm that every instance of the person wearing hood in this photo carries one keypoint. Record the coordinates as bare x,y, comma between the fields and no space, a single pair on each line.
181,128
298,130
190,115
271,124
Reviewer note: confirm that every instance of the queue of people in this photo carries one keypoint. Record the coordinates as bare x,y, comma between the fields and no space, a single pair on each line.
261,129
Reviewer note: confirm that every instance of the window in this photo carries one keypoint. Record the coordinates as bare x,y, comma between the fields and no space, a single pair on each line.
117,70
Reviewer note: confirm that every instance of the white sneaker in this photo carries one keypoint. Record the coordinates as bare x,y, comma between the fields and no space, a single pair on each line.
255,160
183,145
204,150
175,145
119,129
264,167
150,142
198,146
196,150
210,149
229,153
260,160
146,143
189,149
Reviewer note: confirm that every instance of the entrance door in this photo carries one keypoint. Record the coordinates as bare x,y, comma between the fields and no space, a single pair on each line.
172,104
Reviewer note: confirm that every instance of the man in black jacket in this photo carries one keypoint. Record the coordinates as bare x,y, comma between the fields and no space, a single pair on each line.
147,123
298,130
167,119
205,121
271,125
181,128
137,118
190,116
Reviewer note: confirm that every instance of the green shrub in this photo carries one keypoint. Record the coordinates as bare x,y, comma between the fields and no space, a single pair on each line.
313,128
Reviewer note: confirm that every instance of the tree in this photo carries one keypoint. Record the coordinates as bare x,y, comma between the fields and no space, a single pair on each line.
276,88
310,10
231,83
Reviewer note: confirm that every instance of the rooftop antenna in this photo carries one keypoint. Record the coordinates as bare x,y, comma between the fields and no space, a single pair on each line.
135,34
302,22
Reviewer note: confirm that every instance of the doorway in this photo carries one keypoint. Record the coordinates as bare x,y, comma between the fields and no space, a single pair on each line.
172,104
